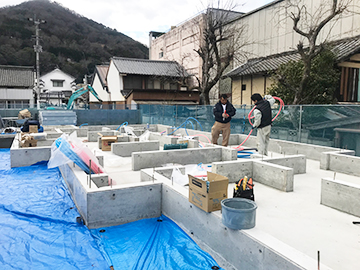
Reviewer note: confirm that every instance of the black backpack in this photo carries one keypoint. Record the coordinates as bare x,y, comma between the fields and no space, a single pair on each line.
25,127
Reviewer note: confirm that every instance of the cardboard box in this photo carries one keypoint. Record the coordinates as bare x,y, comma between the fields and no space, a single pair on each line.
208,194
27,141
106,142
33,129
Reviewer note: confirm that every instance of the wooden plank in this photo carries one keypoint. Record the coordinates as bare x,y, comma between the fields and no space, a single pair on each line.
355,57
342,81
346,84
349,64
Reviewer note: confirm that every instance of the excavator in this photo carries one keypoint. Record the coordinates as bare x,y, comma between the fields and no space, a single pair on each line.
79,93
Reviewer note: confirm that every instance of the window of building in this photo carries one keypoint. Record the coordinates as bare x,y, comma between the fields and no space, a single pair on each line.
149,84
166,85
173,86
161,54
58,83
132,82
2,104
15,104
157,84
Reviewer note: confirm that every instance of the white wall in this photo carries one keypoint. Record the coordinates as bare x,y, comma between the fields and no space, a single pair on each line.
99,90
115,83
13,94
57,74
271,29
179,44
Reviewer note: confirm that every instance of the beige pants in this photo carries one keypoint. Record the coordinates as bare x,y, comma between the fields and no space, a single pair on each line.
263,137
215,132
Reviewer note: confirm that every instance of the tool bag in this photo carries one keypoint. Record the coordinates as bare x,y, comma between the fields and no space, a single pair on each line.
248,193
25,127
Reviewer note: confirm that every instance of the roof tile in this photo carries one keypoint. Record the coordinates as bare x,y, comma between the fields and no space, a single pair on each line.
16,76
342,48
149,67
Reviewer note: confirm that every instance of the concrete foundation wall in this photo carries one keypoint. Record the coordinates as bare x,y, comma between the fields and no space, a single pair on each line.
341,195
228,154
290,148
234,170
21,157
296,162
293,148
53,134
6,140
69,130
272,175
233,140
341,161
240,249
142,160
163,139
124,205
77,190
118,205
92,136
47,142
125,149
192,143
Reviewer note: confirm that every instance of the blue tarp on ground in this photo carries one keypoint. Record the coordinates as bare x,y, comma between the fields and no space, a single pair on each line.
155,243
38,228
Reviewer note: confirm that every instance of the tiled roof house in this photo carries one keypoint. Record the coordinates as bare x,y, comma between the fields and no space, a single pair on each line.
16,87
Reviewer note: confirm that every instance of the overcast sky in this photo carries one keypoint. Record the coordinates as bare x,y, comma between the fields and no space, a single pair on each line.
136,18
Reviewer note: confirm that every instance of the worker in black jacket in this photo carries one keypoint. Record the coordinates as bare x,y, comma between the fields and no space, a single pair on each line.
223,111
263,121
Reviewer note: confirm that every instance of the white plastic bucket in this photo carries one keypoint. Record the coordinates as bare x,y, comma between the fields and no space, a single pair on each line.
238,213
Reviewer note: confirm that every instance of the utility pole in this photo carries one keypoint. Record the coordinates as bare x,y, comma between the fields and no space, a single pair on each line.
38,50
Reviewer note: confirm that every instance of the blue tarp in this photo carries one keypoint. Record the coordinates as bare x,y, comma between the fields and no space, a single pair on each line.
155,243
38,228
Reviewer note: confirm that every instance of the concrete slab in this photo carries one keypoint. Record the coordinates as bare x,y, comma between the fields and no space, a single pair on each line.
298,219
239,249
290,226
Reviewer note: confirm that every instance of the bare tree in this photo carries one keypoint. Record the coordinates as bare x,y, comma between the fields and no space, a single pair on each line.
309,24
220,42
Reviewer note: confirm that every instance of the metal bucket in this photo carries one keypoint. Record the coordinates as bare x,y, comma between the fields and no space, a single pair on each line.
238,213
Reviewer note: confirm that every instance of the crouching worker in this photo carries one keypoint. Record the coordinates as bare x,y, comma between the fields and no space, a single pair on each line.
223,111
263,120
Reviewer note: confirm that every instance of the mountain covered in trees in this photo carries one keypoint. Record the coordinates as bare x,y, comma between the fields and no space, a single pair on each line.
69,41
